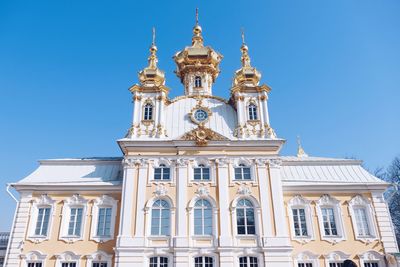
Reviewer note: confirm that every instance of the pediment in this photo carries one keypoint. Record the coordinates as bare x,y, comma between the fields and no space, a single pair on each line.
201,135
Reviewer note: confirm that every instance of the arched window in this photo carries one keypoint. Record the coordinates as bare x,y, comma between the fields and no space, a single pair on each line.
160,218
162,172
253,112
245,218
242,172
197,81
202,217
203,262
201,173
158,262
148,112
248,261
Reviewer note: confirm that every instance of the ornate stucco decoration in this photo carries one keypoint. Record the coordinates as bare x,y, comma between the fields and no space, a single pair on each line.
202,191
161,190
201,135
200,114
244,190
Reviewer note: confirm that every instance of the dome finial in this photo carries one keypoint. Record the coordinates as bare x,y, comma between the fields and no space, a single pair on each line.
197,39
153,49
300,151
245,55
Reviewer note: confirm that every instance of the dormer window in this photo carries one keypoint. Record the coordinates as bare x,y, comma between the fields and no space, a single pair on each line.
253,112
148,112
197,82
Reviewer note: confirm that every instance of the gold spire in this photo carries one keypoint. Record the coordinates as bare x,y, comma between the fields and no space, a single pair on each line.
245,55
197,39
152,75
300,151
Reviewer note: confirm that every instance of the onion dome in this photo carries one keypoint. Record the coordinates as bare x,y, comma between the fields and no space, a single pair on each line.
197,57
246,75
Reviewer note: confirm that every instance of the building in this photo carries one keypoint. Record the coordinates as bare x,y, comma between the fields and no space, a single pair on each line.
201,183
3,246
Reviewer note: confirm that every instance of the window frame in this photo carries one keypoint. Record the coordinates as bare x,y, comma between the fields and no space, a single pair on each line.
43,201
336,257
148,111
306,257
75,201
198,82
168,256
254,112
34,256
97,257
299,202
242,165
372,256
213,257
358,201
248,256
68,257
160,219
327,201
162,167
257,217
155,164
103,202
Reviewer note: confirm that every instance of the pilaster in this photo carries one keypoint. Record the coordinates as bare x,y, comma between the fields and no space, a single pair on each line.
181,239
225,238
265,202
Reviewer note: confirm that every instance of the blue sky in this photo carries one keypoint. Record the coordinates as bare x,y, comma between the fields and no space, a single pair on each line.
65,66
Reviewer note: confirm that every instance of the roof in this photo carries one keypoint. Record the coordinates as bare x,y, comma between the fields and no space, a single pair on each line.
109,172
325,170
96,171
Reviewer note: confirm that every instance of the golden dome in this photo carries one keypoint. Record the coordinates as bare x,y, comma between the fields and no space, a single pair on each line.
197,57
246,75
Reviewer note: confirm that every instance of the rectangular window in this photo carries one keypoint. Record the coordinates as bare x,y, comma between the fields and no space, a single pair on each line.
362,222
42,222
299,220
201,173
371,264
33,264
162,173
99,264
242,173
68,264
328,216
104,222
308,264
75,222
336,264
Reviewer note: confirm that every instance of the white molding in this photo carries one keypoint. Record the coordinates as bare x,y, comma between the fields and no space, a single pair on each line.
372,256
148,215
33,256
336,256
205,253
248,163
300,202
159,253
306,257
248,252
103,202
99,256
155,163
44,201
207,163
257,218
75,201
327,201
67,256
359,201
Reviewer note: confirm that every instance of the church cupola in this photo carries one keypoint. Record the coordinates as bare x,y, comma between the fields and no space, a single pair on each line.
250,100
197,65
149,98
